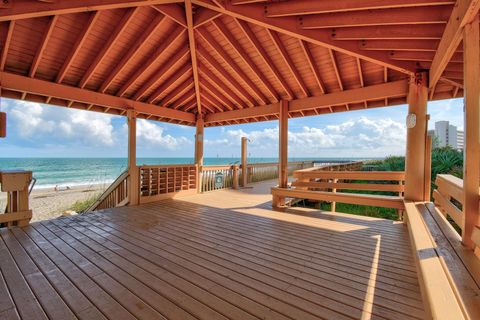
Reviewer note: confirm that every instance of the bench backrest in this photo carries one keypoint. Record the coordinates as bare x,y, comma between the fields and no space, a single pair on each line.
381,181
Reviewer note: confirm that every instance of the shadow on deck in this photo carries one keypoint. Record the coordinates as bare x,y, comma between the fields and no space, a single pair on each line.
217,255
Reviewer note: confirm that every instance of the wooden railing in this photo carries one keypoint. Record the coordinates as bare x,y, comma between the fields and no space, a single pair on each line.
219,177
384,188
267,171
167,181
448,198
116,195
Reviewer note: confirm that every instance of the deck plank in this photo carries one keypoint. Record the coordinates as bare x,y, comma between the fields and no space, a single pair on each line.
303,289
76,274
218,243
7,306
218,255
53,305
72,296
108,279
25,301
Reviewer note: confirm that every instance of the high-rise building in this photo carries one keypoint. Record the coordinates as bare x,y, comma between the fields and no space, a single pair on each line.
448,135
460,140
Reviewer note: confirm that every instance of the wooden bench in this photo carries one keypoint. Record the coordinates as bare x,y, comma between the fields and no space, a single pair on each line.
450,272
324,186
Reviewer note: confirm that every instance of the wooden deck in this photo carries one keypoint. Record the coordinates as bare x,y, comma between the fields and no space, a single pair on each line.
218,255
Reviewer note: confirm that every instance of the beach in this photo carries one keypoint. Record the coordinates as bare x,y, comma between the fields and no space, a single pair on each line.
48,203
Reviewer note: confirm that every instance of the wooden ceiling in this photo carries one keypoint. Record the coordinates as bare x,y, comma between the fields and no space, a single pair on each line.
231,60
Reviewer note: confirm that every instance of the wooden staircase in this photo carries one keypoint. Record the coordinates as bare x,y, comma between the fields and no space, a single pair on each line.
116,195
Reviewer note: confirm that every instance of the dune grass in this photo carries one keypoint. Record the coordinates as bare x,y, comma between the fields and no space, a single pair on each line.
81,206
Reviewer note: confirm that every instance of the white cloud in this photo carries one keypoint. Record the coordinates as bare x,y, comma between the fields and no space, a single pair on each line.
34,121
150,133
362,137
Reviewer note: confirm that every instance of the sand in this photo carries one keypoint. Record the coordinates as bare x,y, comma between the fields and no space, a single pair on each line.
48,203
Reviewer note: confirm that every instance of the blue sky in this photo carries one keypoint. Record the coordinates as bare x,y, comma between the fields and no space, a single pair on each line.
36,130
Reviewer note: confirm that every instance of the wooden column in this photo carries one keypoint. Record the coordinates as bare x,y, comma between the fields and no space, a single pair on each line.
134,187
416,138
471,171
199,150
283,145
244,162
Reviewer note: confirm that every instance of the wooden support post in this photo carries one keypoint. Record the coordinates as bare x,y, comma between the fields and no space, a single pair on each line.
3,124
199,150
416,138
471,170
134,188
334,204
244,162
235,177
283,145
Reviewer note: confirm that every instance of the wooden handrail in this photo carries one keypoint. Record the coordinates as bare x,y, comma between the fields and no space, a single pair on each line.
115,195
352,175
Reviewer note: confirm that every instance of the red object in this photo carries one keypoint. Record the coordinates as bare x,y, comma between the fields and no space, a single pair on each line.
3,124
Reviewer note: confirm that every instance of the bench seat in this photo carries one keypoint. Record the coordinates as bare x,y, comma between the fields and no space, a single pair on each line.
394,202
448,272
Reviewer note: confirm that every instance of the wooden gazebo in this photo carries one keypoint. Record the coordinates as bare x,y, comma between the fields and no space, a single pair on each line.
211,63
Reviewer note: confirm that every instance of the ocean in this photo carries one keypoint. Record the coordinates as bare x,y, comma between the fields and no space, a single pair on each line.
63,172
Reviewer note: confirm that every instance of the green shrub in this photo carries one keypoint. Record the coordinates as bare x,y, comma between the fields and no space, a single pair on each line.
81,206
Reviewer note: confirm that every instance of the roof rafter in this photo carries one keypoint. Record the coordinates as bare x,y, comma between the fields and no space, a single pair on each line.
169,82
254,13
422,15
305,7
127,17
132,50
179,55
193,51
43,43
32,8
227,59
6,44
215,103
247,31
421,32
146,65
217,94
215,81
312,65
463,12
333,58
174,12
400,45
288,61
76,47
234,84
207,105
69,93
397,88
229,37
186,101
177,92
203,16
